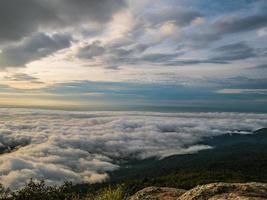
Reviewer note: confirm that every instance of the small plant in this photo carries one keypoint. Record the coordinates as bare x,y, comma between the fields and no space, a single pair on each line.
4,193
111,194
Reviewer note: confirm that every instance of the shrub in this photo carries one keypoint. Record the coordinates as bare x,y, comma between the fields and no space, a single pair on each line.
110,194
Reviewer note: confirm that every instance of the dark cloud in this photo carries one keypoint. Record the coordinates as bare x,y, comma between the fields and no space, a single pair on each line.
115,56
172,59
128,51
124,52
263,66
227,25
178,15
236,51
241,82
33,48
94,10
22,18
262,51
91,50
112,55
159,57
230,25
194,62
22,77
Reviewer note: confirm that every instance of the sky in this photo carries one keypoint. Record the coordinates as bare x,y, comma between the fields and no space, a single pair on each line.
153,55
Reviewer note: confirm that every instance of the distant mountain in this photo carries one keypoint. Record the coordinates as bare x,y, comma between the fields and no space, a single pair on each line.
244,155
256,137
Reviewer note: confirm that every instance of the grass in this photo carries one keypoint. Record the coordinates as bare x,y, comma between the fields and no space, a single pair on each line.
110,194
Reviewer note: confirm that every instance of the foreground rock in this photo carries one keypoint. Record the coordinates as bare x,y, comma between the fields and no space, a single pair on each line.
214,191
222,191
158,193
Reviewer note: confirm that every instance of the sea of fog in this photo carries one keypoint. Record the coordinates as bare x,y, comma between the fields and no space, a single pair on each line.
60,146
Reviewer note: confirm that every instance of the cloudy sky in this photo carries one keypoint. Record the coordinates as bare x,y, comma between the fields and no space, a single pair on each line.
182,55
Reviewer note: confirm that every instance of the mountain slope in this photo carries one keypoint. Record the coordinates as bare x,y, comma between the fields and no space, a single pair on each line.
244,155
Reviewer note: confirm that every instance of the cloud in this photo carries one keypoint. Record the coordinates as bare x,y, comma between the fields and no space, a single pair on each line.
241,82
91,50
111,55
114,56
147,41
19,19
262,32
235,51
263,66
33,48
85,146
169,25
230,24
22,77
159,57
242,91
148,28
181,16
117,33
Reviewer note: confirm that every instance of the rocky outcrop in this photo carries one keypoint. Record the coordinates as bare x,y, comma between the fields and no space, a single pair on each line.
158,193
214,191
